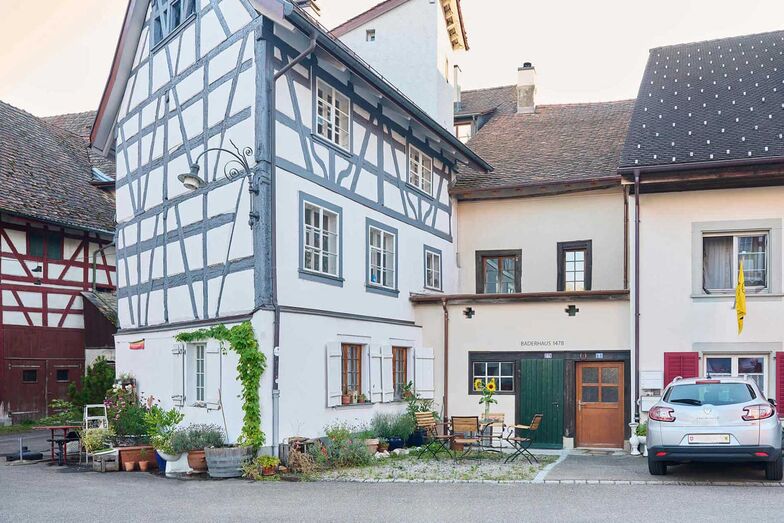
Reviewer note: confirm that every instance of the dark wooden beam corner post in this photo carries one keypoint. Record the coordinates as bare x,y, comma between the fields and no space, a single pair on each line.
444,305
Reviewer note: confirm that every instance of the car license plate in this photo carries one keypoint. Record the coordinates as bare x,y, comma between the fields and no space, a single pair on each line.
710,439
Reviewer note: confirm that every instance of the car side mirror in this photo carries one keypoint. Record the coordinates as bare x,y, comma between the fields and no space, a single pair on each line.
772,402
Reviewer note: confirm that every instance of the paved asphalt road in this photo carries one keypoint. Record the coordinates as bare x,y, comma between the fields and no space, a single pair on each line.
43,493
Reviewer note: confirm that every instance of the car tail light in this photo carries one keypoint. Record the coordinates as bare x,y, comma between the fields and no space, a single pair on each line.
761,454
661,454
758,412
661,414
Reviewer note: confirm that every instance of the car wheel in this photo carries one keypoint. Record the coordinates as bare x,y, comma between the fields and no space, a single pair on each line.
773,470
657,468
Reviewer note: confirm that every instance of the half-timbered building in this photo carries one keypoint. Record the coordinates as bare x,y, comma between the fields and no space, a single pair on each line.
56,227
320,203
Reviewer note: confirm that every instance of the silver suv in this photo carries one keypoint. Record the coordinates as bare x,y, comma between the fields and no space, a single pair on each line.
719,419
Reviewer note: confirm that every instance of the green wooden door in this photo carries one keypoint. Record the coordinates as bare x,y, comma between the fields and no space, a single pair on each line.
541,392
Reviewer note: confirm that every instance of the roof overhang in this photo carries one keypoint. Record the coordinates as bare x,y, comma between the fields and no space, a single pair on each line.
59,223
526,190
455,26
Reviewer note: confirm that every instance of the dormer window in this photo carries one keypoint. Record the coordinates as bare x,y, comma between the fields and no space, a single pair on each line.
333,115
168,15
420,170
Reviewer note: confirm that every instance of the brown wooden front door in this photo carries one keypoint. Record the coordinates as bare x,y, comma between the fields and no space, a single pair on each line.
600,404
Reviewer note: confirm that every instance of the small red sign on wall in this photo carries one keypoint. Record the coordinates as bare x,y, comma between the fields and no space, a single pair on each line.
136,345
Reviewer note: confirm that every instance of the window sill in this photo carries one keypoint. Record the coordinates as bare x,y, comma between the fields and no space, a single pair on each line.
432,289
420,191
354,405
332,145
169,37
375,289
731,297
321,278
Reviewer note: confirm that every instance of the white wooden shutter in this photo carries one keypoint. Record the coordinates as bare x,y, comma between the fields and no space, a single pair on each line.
424,381
212,374
334,374
387,380
178,375
376,381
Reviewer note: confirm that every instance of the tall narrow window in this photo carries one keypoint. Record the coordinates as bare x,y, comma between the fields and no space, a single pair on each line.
332,115
420,170
168,15
352,368
199,371
399,370
498,272
721,258
432,269
381,251
574,266
320,236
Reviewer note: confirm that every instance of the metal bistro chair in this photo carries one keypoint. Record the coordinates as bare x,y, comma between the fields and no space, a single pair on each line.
466,433
493,432
435,442
521,444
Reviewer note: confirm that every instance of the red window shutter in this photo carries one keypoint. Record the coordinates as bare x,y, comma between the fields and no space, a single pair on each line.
683,364
779,381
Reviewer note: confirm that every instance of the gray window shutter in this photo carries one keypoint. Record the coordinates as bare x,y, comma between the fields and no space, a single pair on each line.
178,375
424,367
334,374
212,374
376,380
388,390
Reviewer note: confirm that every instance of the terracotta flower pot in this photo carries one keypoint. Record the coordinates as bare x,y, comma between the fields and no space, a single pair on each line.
268,471
143,465
197,461
345,399
129,466
372,445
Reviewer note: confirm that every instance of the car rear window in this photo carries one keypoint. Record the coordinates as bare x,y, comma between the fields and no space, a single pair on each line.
710,393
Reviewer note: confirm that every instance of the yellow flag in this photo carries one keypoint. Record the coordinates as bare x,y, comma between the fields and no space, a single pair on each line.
740,298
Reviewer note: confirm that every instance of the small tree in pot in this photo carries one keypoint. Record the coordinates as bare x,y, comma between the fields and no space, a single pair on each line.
227,461
161,424
193,439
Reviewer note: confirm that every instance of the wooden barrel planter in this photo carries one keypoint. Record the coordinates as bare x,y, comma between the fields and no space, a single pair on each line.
227,462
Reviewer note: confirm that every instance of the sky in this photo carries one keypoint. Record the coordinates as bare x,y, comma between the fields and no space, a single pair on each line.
56,54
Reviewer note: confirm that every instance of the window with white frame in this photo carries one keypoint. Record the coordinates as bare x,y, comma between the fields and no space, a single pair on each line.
722,254
500,372
198,371
370,35
381,251
753,367
320,237
333,115
463,131
168,15
432,269
420,170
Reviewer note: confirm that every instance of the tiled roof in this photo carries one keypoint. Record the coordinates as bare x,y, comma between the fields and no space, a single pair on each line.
556,144
710,101
46,169
81,124
480,101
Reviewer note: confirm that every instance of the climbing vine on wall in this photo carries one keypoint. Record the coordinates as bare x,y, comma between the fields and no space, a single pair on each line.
251,366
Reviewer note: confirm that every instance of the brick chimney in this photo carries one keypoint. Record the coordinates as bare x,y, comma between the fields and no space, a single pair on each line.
526,89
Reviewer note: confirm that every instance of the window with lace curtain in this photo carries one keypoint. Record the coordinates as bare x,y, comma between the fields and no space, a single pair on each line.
722,255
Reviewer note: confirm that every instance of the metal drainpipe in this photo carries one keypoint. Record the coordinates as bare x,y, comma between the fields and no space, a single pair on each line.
636,295
95,258
273,254
446,358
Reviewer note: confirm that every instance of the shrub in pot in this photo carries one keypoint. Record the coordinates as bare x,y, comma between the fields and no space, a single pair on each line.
395,428
161,424
259,467
193,439
95,439
144,464
126,417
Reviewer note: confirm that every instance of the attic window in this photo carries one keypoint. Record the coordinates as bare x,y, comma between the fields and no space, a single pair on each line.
370,35
168,16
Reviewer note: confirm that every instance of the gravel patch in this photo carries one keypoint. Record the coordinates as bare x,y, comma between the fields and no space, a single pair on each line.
409,468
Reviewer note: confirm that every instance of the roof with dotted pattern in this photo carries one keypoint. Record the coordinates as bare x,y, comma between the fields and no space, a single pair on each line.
710,101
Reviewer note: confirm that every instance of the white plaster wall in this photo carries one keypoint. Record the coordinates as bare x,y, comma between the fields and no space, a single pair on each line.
670,318
536,225
410,49
599,326
303,373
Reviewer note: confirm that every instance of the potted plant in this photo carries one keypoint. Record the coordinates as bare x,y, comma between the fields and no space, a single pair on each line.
126,417
394,428
161,424
193,439
143,463
96,439
227,461
488,391
269,465
345,399
383,444
259,467
361,398
415,404
642,436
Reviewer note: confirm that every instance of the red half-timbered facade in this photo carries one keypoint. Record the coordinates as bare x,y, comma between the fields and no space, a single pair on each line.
47,260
